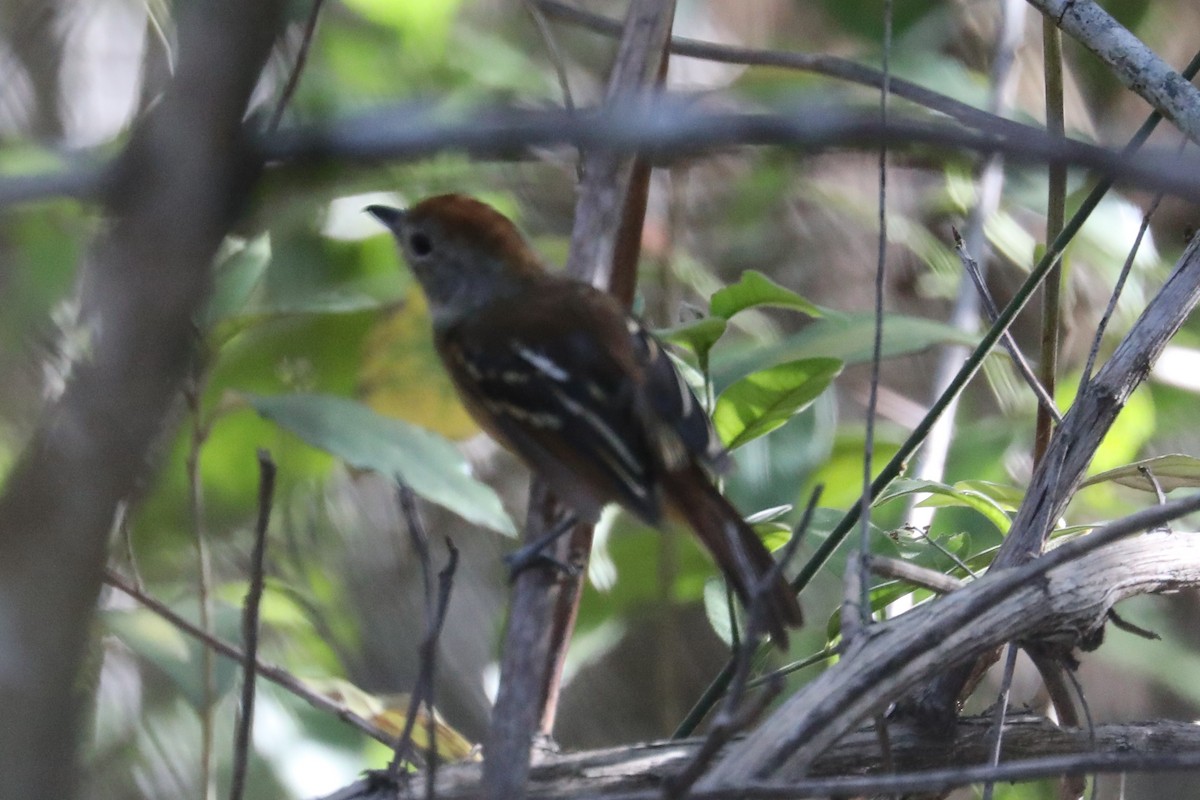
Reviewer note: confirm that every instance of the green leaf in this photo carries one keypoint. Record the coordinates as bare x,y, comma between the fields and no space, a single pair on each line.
425,25
943,495
756,289
242,300
427,462
761,402
698,336
848,337
1175,471
717,609
237,276
1005,495
773,535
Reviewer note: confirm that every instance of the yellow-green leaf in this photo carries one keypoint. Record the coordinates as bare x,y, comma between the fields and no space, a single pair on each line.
756,289
762,401
1175,471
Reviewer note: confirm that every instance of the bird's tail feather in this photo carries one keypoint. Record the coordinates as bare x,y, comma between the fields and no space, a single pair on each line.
735,547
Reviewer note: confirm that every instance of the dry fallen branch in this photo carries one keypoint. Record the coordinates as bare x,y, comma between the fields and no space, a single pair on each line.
1033,747
1063,597
1060,596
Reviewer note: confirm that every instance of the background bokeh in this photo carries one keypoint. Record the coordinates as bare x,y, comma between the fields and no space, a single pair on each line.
312,298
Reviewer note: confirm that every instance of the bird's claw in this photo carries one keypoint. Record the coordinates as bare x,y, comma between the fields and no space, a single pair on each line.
536,556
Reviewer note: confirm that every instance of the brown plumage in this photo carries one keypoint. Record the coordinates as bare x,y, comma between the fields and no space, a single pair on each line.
561,375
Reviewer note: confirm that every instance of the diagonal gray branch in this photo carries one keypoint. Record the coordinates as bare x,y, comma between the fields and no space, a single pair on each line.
1074,444
1093,412
1137,66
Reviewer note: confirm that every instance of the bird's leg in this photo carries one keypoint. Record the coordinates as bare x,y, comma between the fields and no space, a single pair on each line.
534,553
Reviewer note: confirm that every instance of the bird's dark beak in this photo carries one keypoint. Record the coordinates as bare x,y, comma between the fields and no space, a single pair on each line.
391,217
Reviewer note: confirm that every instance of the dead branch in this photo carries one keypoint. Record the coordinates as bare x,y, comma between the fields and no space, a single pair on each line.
639,771
1133,63
1040,600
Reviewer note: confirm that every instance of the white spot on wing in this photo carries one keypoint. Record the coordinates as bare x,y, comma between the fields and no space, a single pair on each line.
543,364
625,465
685,396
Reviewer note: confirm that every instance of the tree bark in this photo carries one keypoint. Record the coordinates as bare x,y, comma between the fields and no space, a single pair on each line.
171,197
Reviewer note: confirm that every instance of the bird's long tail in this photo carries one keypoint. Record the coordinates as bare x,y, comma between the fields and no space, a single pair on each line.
735,547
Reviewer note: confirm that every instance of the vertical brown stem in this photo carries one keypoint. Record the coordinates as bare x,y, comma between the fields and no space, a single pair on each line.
1055,216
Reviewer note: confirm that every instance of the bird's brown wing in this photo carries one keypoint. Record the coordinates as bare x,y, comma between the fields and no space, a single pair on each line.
536,379
612,423
669,408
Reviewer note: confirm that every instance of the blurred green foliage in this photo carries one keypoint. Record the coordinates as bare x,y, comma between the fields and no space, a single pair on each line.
312,308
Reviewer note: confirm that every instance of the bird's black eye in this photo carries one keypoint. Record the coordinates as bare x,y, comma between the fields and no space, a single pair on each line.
420,244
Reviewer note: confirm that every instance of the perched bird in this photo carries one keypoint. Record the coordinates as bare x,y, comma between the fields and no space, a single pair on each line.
562,376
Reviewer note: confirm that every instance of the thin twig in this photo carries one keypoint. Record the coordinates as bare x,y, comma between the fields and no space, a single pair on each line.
909,572
829,66
279,677
437,601
250,611
971,267
419,538
289,89
560,67
1087,714
1054,665
886,760
732,719
1056,211
760,593
1154,482
936,545
1010,664
864,516
808,661
1123,624
445,587
194,397
125,536
1126,268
